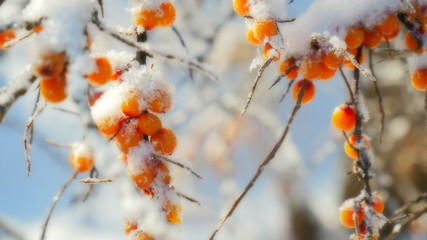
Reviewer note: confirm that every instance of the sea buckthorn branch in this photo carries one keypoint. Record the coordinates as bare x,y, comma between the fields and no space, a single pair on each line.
135,45
275,20
91,180
380,98
404,208
190,199
94,174
254,85
266,161
281,76
347,84
181,40
13,91
28,133
55,201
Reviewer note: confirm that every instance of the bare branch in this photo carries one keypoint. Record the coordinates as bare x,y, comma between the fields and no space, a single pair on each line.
422,197
398,228
347,84
181,40
11,231
55,201
282,75
291,82
163,158
258,77
40,106
266,161
53,143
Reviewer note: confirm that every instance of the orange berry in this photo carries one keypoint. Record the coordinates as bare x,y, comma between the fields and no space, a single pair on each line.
54,89
50,66
130,105
348,216
160,101
129,226
172,212
267,48
108,125
128,137
148,124
355,37
251,38
347,63
310,68
286,65
331,60
310,90
419,79
5,37
81,157
327,73
164,141
123,157
388,26
168,14
344,117
392,36
372,39
411,42
143,176
241,7
143,236
148,19
116,75
103,72
264,29
377,203
38,28
349,148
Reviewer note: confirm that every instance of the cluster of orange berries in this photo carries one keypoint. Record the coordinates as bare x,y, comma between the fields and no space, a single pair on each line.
352,215
162,16
51,68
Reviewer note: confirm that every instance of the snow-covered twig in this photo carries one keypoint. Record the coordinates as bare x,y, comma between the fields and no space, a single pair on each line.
55,201
28,133
254,85
266,161
90,180
17,88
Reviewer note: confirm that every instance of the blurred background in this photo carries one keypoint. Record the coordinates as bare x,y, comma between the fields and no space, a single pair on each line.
298,195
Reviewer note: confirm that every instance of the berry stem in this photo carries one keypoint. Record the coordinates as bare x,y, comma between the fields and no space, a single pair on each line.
380,99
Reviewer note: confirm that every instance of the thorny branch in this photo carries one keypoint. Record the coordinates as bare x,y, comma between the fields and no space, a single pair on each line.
258,77
380,99
28,136
266,161
55,201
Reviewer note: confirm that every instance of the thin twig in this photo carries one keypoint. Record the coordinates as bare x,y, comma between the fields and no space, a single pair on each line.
283,75
181,40
40,106
55,201
290,83
176,163
258,77
422,197
93,174
276,20
380,99
11,231
67,111
266,161
48,141
102,7
90,180
347,83
190,199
